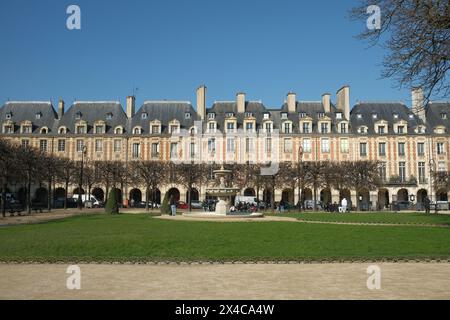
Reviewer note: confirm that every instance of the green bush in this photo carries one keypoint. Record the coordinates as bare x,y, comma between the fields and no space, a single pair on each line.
112,206
165,207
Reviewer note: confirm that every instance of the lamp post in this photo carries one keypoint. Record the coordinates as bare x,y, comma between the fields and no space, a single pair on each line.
300,167
80,186
432,165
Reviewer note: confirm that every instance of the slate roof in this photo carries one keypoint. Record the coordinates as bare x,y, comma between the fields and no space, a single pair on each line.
433,114
22,110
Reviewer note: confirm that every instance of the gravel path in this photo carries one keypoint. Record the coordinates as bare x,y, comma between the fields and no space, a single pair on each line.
227,282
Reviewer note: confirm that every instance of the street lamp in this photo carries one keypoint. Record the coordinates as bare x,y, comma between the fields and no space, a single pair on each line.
80,186
432,165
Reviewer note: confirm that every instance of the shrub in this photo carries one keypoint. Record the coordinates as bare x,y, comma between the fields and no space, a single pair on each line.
165,207
112,206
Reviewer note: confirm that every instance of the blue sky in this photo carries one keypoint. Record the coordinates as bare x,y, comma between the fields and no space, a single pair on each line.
168,48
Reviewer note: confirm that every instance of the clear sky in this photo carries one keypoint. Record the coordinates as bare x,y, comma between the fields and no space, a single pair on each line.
167,48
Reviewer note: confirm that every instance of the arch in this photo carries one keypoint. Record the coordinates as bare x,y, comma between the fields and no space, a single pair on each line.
41,195
420,198
135,196
383,199
175,193
363,200
307,194
99,194
195,195
155,196
267,196
22,195
75,191
249,192
441,195
59,194
345,193
402,195
288,196
325,196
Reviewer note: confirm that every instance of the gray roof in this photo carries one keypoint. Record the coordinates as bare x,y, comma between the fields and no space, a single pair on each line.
165,112
384,111
20,111
92,112
434,113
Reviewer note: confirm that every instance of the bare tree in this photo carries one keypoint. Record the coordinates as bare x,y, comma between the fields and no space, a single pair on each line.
65,173
8,169
190,174
364,175
416,34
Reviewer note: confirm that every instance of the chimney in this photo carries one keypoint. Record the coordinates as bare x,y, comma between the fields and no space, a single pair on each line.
343,101
60,108
326,102
292,102
201,102
418,107
240,101
130,106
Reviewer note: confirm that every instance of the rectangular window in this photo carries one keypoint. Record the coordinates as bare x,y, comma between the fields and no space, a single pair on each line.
98,145
43,145
173,128
420,149
382,149
441,166
99,130
343,128
212,145
383,171
27,129
81,130
325,145
136,150
307,145
402,171
287,128
155,150
344,145
268,145
381,130
306,127
25,143
440,148
249,126
117,145
288,145
192,149
173,150
212,126
230,126
249,145
155,129
421,171
230,145
363,149
61,145
401,148
80,145
268,127
324,127
401,129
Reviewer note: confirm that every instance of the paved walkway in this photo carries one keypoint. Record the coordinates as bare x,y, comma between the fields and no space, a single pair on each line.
227,282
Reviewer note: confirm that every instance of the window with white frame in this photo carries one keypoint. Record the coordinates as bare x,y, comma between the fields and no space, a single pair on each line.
98,145
307,145
344,146
325,145
136,150
61,145
117,145
288,145
440,148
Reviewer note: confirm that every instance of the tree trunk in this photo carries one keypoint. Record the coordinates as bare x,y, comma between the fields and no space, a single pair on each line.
147,195
66,193
4,199
49,195
315,198
29,192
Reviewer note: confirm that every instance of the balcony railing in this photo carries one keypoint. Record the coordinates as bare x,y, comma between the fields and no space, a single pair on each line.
401,181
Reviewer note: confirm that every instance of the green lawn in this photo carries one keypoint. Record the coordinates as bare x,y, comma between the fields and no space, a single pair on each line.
373,217
143,238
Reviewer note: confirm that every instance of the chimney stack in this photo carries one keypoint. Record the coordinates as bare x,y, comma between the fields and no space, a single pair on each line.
418,101
60,108
201,102
240,101
326,102
131,100
292,102
343,101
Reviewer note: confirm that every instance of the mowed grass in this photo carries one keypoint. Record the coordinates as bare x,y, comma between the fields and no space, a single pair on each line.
143,238
373,217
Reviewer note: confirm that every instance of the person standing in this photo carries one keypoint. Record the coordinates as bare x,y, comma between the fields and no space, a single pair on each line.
173,206
344,205
427,204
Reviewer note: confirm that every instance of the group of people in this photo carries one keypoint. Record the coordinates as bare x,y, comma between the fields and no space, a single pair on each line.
243,207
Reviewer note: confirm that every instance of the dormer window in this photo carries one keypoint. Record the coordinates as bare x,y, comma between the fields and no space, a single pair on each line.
109,116
38,115
211,116
359,116
174,128
99,129
8,116
44,130
401,129
137,130
78,115
266,116
212,126
284,115
302,115
320,115
411,116
229,114
374,116
81,129
62,130
248,115
118,130
339,115
362,130
287,127
187,115
395,115
27,128
144,115
443,116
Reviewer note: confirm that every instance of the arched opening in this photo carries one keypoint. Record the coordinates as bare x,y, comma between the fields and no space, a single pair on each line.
118,196
288,196
421,196
363,200
441,195
249,192
402,195
59,194
175,193
307,194
383,199
135,197
41,195
267,196
325,196
99,194
195,196
75,191
22,195
154,196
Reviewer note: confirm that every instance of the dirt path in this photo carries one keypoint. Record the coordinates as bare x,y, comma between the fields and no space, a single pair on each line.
296,281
